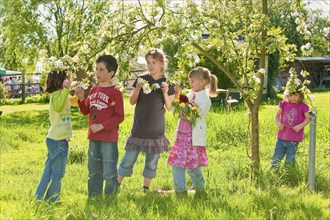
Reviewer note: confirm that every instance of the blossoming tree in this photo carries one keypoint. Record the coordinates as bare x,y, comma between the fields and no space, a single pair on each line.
235,35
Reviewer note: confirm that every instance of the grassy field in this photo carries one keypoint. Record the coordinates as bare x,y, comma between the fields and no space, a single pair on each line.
234,191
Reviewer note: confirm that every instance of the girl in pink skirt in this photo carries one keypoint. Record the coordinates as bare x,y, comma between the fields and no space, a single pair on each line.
189,150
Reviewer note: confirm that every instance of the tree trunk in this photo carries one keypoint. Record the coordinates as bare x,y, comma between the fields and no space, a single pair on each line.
255,137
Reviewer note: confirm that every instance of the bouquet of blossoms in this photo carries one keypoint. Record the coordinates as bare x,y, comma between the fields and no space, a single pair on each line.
185,108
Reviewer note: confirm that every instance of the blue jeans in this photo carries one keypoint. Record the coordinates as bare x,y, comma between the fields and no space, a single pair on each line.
282,148
179,178
51,180
102,165
129,159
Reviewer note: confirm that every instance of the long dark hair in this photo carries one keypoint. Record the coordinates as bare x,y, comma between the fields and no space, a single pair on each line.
55,80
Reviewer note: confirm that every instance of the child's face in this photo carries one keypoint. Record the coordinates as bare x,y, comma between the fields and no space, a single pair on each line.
294,98
154,66
102,74
196,84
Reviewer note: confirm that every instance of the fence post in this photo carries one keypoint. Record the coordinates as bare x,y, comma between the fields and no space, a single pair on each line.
23,85
312,147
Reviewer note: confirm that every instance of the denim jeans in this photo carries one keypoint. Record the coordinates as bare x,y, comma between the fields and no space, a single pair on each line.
179,178
129,159
102,165
282,147
51,180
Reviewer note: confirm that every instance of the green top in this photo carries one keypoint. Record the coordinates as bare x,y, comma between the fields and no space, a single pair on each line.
60,115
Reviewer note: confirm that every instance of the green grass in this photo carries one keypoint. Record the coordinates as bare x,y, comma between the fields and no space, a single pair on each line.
234,190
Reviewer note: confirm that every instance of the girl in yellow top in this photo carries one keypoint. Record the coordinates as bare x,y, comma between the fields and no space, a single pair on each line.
59,134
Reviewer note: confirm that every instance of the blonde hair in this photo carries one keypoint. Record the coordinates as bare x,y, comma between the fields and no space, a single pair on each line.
159,55
205,74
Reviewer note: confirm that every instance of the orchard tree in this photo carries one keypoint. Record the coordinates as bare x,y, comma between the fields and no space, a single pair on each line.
240,31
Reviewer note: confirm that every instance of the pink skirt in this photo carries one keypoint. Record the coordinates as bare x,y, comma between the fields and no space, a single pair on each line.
183,154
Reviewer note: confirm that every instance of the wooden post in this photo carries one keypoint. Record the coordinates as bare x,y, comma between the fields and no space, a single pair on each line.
312,147
23,85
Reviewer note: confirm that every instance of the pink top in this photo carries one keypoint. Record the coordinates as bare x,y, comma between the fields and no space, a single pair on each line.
292,114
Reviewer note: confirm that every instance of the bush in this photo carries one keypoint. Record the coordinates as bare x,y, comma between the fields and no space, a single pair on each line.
2,93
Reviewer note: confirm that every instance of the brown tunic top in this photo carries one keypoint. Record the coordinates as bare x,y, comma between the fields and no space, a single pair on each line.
148,131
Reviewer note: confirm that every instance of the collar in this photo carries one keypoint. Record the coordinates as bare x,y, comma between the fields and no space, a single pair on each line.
199,94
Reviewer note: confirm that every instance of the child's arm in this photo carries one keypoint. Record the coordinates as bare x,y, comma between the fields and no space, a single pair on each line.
278,115
204,108
80,93
135,94
303,124
59,100
167,98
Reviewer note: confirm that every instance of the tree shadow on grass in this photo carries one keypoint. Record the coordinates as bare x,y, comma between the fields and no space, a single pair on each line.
39,118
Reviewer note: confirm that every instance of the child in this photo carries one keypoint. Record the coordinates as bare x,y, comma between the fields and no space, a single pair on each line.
148,132
59,134
291,118
188,152
105,107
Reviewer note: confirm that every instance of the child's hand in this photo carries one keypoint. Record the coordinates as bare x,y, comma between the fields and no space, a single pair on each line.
138,86
281,126
96,127
80,92
67,84
165,88
177,89
297,128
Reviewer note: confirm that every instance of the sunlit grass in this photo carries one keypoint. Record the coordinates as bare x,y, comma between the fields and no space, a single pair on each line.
234,190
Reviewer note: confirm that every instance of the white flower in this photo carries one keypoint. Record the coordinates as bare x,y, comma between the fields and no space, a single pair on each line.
196,58
140,81
164,84
155,86
262,70
146,89
326,31
176,82
297,82
75,59
58,64
304,73
312,98
52,59
256,79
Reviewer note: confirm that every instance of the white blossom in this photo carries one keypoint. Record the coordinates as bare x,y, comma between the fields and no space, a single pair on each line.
312,98
326,31
256,79
164,84
262,70
146,89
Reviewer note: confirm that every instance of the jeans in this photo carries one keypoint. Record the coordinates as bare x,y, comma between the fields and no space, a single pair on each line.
102,165
282,147
129,159
51,180
179,178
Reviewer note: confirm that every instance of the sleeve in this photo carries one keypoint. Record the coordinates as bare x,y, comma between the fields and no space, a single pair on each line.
282,104
118,112
204,107
84,106
59,99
